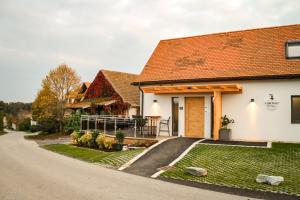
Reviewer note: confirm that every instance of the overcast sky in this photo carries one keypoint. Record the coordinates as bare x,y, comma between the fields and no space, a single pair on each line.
37,35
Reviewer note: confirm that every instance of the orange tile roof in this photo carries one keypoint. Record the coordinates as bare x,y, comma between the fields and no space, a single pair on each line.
248,54
121,82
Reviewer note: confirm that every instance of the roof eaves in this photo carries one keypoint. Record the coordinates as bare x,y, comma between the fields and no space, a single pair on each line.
264,77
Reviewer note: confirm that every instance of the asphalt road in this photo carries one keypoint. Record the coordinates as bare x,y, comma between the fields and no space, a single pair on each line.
30,172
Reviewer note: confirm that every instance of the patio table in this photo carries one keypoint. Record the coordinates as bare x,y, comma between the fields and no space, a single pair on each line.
152,122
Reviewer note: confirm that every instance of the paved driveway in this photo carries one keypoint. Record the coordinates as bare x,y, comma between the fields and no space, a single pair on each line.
30,172
160,156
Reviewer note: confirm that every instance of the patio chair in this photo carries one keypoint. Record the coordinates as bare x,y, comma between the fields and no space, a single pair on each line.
164,122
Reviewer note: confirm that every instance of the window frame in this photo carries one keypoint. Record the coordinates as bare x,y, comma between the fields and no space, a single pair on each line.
294,121
293,42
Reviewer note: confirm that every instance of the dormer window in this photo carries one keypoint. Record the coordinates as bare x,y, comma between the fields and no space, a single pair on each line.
293,49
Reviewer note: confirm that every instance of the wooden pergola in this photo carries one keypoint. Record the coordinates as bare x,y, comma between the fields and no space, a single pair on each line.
216,89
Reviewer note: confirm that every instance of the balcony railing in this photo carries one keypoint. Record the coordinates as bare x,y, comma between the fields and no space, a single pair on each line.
109,124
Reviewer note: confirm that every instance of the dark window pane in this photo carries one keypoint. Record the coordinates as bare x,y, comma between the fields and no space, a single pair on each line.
295,109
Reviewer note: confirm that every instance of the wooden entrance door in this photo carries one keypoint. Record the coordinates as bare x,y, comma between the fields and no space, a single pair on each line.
194,117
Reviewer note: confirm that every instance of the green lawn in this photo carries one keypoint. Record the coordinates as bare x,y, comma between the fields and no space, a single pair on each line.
113,159
239,166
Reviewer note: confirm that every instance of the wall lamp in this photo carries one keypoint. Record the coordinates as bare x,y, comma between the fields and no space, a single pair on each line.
252,100
155,101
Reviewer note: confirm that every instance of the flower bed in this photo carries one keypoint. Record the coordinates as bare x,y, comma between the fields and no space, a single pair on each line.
105,142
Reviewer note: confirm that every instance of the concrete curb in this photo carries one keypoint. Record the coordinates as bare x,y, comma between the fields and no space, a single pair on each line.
130,162
178,158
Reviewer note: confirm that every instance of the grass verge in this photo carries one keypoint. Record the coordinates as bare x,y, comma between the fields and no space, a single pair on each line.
238,166
113,159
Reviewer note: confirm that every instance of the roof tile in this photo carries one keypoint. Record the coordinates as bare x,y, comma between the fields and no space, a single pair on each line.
249,53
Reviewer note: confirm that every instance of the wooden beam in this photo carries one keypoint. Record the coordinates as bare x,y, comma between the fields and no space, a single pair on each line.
188,91
217,114
227,88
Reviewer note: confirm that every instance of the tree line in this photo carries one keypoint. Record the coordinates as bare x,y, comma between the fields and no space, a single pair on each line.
13,112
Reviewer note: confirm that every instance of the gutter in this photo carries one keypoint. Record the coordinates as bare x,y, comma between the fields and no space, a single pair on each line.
246,78
142,103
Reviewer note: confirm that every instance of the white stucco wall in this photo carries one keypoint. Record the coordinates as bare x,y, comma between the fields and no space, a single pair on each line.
253,121
163,108
132,111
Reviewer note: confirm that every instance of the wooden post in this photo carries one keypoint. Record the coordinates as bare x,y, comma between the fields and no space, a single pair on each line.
217,113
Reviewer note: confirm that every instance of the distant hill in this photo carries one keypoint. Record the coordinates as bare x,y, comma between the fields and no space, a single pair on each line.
14,108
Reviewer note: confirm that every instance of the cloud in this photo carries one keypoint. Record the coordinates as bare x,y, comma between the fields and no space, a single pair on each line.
36,35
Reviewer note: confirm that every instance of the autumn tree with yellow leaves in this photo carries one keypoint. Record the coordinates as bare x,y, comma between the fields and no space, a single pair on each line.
50,100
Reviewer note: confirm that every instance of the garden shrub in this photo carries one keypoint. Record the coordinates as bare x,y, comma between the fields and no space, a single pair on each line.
85,139
49,125
140,121
120,137
143,143
93,142
100,140
35,128
75,137
104,142
80,133
25,125
72,123
108,143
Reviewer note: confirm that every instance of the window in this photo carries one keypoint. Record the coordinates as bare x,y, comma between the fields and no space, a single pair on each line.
295,101
293,49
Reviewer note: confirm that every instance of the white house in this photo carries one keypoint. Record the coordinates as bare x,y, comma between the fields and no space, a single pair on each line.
252,76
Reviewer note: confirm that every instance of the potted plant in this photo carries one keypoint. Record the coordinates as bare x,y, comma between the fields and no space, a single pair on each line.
140,122
118,146
225,132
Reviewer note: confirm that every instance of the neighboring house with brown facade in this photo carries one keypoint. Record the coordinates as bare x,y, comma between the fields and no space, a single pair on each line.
111,93
75,97
252,76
